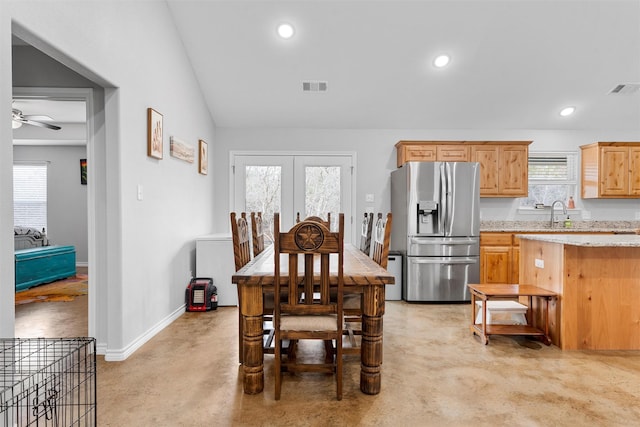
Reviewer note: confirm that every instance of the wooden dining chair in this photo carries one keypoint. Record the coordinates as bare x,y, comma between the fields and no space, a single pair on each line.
240,238
241,256
382,240
365,233
257,234
303,316
353,300
314,218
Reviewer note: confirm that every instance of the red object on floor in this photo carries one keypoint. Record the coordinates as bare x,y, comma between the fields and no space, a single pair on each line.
201,295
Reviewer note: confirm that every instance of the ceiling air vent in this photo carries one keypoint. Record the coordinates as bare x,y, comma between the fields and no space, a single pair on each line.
314,86
625,89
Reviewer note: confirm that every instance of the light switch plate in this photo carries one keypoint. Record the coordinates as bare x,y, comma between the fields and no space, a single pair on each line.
140,192
539,263
369,198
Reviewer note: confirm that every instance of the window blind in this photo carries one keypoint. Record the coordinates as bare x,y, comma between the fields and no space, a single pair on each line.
30,195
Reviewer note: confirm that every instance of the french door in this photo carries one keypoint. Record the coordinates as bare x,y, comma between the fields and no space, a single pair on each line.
311,185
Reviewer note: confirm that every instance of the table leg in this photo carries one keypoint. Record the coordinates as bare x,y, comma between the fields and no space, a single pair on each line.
371,348
485,338
240,328
473,313
253,357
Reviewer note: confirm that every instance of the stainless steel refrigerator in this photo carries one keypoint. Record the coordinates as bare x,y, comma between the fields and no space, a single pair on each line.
436,227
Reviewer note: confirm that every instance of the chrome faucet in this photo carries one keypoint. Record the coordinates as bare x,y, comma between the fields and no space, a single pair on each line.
553,205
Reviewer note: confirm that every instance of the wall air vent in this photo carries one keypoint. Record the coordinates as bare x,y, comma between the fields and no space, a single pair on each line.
315,86
625,89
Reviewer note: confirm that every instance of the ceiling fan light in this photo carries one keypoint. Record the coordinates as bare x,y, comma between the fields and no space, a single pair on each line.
16,124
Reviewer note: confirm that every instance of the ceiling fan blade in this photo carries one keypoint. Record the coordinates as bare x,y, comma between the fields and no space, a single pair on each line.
40,124
38,118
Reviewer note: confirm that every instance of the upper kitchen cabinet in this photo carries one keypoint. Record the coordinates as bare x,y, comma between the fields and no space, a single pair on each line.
431,151
611,170
503,164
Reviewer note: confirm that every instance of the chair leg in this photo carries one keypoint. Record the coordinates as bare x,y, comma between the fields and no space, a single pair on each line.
241,333
278,367
339,371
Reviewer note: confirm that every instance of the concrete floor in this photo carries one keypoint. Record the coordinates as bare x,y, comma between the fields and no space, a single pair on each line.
435,373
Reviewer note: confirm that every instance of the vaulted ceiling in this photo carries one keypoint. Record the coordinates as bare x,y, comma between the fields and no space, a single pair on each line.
514,64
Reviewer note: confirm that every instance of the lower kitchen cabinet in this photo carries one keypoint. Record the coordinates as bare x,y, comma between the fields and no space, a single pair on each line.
496,258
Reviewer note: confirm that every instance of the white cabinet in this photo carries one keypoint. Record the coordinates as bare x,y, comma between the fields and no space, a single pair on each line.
214,258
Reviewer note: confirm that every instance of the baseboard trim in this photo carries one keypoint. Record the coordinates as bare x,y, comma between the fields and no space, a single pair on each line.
82,264
122,354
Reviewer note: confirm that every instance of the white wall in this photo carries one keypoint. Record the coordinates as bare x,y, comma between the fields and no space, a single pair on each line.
377,158
147,247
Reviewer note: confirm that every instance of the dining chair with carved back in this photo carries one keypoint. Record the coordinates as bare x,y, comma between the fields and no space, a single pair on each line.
365,233
353,300
382,240
257,238
314,218
257,233
305,315
241,256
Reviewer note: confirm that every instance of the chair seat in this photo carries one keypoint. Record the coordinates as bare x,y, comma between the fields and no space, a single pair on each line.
308,323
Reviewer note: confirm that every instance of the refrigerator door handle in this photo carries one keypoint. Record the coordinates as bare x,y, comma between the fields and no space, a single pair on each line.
445,176
445,262
429,241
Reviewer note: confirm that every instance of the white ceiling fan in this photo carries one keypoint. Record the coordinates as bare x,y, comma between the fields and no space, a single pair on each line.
18,119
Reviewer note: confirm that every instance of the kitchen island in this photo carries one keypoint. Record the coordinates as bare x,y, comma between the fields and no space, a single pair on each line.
597,280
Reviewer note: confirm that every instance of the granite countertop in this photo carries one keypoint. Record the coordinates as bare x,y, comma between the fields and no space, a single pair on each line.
604,240
577,226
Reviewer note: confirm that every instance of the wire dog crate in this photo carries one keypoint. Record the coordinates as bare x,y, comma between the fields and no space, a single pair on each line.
48,382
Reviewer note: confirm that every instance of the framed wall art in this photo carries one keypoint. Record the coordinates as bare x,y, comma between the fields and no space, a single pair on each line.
83,171
203,160
182,150
154,133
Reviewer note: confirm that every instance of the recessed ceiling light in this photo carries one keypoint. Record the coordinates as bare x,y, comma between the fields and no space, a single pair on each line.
441,61
567,111
285,31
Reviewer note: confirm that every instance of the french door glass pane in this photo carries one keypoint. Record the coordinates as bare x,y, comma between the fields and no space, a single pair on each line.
322,191
263,193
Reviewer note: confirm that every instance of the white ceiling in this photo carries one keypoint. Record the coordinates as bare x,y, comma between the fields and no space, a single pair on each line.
60,111
514,65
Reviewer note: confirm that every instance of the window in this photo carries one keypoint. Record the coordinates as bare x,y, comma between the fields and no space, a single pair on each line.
552,176
30,195
292,183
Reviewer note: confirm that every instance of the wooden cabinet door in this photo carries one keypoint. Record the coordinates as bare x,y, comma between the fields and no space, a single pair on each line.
452,153
634,171
495,264
417,153
614,171
487,156
513,164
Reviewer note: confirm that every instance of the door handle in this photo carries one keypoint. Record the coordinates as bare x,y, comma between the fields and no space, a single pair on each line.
444,261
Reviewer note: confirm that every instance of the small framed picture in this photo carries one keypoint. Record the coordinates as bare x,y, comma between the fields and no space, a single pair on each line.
203,160
154,133
83,171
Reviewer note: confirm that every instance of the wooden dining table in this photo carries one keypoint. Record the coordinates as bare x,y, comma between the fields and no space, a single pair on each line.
361,274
